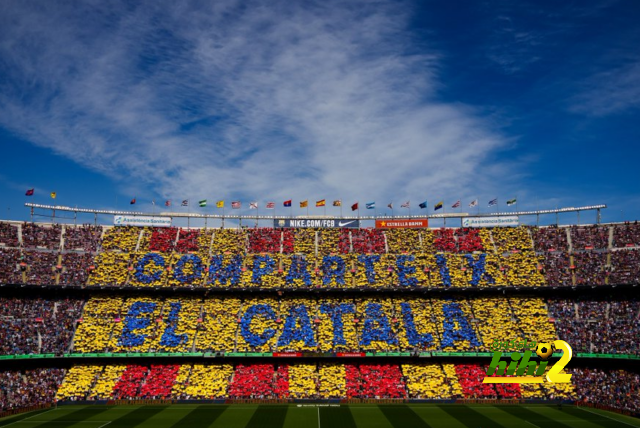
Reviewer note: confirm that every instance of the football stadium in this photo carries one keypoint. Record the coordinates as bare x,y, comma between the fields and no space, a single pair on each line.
319,214
391,326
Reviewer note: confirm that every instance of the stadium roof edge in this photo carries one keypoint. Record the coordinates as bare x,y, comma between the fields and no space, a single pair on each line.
267,217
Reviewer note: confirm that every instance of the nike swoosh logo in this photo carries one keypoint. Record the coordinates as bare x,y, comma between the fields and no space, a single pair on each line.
341,224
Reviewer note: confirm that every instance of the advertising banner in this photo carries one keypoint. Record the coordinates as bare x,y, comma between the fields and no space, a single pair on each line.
502,221
137,220
322,222
402,224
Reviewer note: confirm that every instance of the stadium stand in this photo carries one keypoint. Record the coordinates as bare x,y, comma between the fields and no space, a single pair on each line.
228,291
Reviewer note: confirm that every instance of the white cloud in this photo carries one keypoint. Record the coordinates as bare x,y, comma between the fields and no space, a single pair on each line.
246,100
609,92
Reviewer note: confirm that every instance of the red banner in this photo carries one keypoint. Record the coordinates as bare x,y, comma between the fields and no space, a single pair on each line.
398,224
351,354
287,354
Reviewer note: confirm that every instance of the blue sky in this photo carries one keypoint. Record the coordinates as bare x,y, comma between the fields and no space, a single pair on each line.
354,100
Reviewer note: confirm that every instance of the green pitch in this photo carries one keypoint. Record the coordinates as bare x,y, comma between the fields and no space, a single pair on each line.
295,416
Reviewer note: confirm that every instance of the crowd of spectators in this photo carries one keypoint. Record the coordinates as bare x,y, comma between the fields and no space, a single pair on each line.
317,380
268,324
550,238
11,268
400,324
25,388
374,381
122,238
82,238
557,269
590,267
320,258
625,267
37,325
41,236
362,241
188,241
159,239
268,240
626,235
619,389
598,326
42,267
75,268
589,237
9,235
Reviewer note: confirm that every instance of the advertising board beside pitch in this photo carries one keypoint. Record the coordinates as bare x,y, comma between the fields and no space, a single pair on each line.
130,220
500,221
398,224
322,222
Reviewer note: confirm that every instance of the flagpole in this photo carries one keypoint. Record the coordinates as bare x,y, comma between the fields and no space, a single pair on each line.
325,207
444,209
340,207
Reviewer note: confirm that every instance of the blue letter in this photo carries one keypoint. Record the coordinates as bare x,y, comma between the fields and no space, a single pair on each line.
336,312
230,273
245,325
369,267
338,271
196,263
169,337
478,270
292,333
441,261
132,322
298,270
142,264
262,265
383,332
403,271
452,314
413,337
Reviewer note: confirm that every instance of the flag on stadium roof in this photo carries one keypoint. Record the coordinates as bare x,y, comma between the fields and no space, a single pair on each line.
406,205
473,203
423,205
270,205
438,205
133,201
287,203
354,207
511,202
337,203
29,192
390,205
456,205
220,204
304,204
253,205
493,202
235,205
185,203
202,203
371,205
153,202
320,203
167,203
53,195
